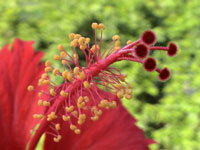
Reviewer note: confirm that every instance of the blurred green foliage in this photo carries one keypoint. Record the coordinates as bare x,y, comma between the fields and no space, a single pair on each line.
168,112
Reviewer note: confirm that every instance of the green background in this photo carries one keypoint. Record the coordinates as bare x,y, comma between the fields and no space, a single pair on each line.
168,112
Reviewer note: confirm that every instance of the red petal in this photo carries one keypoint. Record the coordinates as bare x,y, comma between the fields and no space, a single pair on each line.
18,68
115,130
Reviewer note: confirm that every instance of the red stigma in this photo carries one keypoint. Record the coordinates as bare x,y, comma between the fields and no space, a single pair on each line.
164,74
141,51
149,64
148,37
172,49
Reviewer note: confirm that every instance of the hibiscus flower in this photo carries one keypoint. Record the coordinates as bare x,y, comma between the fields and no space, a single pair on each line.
82,113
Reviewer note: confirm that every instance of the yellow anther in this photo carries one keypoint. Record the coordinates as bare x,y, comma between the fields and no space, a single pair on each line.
86,98
82,75
51,116
82,47
55,71
52,92
104,103
99,112
44,75
128,96
115,37
63,93
69,109
47,63
119,86
79,105
87,40
71,36
74,43
83,104
77,36
113,104
40,102
76,70
47,69
60,47
129,42
76,56
94,49
40,82
30,88
119,94
35,116
57,126
63,54
101,26
94,25
75,113
64,62
94,108
64,74
45,82
66,118
80,99
81,118
128,91
77,131
40,93
94,118
117,43
86,85
38,116
57,139
46,103
69,76
72,127
81,40
56,57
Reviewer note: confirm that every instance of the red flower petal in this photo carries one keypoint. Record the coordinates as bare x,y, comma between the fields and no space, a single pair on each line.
17,105
115,130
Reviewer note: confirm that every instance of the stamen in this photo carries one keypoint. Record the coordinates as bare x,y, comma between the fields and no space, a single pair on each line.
79,96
